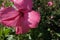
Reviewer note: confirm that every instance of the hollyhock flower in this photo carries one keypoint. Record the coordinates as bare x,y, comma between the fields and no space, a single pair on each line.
21,20
23,4
50,3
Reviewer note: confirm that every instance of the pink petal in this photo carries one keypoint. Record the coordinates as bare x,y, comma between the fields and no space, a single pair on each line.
8,16
33,18
23,4
22,30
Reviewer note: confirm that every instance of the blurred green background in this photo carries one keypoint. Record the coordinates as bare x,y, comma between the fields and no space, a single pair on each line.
48,28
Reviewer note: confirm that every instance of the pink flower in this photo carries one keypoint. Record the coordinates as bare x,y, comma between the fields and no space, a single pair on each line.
50,3
22,20
23,4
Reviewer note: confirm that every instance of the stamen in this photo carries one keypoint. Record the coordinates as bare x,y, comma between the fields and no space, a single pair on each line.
14,7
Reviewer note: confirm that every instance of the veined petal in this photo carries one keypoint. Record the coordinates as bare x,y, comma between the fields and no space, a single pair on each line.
22,29
23,4
33,18
9,16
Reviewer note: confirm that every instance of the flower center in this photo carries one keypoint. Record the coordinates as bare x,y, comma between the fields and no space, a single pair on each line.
21,13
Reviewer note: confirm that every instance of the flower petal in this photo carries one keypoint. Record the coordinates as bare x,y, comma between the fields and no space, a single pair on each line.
8,16
23,4
33,18
22,30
